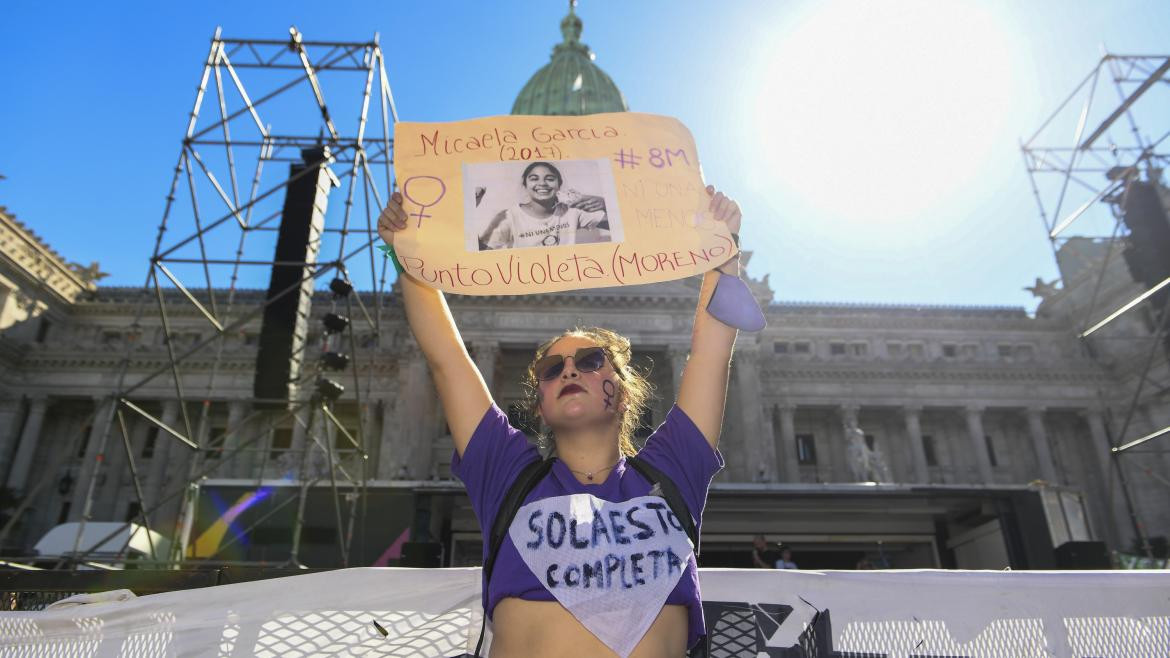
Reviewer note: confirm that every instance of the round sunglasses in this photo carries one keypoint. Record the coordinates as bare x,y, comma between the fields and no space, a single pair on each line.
586,359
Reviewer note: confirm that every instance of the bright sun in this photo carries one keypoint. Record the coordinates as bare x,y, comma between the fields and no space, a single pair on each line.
880,110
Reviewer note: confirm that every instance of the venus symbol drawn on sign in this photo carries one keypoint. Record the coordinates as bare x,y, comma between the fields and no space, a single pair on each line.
427,192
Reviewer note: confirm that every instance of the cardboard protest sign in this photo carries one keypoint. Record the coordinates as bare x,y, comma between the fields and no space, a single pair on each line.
526,204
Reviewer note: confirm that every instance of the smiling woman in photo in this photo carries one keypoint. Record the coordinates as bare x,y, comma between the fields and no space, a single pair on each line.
550,217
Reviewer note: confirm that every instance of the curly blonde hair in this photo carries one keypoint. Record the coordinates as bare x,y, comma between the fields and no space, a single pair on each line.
636,389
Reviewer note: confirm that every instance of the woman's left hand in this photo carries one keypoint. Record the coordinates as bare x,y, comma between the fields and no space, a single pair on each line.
589,203
725,209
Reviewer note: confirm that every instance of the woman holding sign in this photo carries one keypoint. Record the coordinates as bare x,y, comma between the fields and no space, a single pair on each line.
595,561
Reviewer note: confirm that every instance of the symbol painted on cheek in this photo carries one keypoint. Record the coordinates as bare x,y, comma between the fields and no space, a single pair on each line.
610,390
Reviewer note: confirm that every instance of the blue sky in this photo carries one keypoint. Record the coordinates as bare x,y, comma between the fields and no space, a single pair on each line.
873,146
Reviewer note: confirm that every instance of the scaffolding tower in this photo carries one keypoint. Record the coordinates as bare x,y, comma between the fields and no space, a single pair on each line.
1106,143
260,102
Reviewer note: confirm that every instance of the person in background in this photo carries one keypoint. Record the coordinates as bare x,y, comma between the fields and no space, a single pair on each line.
785,561
762,556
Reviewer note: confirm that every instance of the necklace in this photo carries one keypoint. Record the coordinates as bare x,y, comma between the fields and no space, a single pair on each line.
589,474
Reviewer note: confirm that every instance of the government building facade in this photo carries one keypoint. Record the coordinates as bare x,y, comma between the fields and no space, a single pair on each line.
984,432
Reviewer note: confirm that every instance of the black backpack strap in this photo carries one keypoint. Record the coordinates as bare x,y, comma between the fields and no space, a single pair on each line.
670,492
525,482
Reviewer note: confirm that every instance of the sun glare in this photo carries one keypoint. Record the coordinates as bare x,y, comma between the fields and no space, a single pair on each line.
878,111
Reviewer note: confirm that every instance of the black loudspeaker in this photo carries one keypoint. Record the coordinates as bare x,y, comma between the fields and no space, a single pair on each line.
1082,555
422,554
1148,250
290,288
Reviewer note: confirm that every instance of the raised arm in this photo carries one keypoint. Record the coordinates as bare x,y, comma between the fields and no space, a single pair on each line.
462,391
703,392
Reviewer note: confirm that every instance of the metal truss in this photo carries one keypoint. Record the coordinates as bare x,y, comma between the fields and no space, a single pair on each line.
258,102
1112,130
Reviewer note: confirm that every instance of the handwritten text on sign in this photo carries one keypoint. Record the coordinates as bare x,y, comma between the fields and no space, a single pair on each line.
612,565
516,205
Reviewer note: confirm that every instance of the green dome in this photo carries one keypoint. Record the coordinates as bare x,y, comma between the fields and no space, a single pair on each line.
571,83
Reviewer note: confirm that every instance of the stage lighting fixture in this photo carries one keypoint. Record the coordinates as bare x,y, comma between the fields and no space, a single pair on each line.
340,287
335,360
335,323
328,389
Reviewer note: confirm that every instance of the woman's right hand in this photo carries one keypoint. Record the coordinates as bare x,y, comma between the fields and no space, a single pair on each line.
392,219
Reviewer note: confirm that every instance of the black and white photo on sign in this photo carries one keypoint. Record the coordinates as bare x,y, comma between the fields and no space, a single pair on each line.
511,205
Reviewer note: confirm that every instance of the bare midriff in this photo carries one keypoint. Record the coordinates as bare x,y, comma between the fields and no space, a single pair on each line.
523,629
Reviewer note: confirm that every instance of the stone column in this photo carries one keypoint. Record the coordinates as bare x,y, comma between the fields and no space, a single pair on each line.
1039,435
250,433
1102,458
677,355
917,450
391,427
164,445
408,456
9,415
486,355
94,450
235,434
29,440
1100,447
758,432
115,470
979,443
368,440
788,442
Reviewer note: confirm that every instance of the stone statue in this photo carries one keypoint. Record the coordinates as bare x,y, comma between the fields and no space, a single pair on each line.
867,464
1042,289
89,274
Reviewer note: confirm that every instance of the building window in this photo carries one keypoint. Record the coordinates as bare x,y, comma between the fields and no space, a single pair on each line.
929,449
806,449
1005,351
802,347
215,443
1025,352
149,443
859,349
950,350
895,350
43,329
916,350
281,442
780,347
990,450
969,351
342,443
837,349
84,443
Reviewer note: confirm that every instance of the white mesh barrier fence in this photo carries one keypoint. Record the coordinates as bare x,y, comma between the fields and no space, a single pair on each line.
783,614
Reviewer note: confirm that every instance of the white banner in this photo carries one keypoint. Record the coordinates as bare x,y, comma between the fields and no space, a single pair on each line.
435,612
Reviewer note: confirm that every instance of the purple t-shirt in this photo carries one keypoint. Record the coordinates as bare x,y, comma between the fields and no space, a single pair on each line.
497,452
